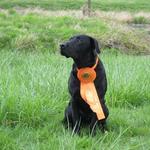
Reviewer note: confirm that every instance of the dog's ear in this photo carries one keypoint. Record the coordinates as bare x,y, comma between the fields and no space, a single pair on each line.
94,45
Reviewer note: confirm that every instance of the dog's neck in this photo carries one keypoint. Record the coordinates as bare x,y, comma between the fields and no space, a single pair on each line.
86,61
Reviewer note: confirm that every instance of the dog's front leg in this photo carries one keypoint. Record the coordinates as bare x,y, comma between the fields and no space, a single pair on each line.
103,126
76,117
93,124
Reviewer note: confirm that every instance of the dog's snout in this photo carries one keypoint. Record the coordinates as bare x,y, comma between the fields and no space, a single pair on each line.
62,46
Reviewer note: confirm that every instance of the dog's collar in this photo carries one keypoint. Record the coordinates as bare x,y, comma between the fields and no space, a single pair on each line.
87,74
93,67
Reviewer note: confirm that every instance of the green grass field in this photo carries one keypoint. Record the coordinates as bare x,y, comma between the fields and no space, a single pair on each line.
34,76
34,93
107,5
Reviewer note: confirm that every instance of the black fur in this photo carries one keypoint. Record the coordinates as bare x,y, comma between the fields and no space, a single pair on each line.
83,50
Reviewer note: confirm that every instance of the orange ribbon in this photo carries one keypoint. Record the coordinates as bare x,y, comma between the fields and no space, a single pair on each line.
88,91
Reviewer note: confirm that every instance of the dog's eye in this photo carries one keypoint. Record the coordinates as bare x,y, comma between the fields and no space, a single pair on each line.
78,39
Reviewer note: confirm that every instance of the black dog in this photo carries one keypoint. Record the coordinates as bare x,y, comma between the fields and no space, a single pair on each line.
83,50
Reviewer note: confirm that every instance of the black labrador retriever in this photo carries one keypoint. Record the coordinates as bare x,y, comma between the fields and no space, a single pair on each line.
83,50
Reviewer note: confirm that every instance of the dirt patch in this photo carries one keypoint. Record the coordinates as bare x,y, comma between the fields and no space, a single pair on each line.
121,16
140,26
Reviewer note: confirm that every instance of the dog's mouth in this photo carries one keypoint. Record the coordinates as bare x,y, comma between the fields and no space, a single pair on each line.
64,49
64,53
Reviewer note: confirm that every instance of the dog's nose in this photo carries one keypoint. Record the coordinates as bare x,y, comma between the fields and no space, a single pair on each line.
62,46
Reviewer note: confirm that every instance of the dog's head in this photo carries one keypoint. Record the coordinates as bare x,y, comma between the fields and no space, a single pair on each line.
80,46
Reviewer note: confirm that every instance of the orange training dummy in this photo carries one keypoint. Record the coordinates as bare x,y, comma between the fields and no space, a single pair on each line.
88,91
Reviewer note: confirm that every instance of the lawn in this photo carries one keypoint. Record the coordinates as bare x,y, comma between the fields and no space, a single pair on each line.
33,82
34,94
107,5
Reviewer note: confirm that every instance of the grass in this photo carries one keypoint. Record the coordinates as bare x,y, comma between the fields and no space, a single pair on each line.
140,20
117,5
35,32
34,95
33,78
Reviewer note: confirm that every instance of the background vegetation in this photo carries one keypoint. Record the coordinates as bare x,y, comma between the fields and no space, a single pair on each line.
107,5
